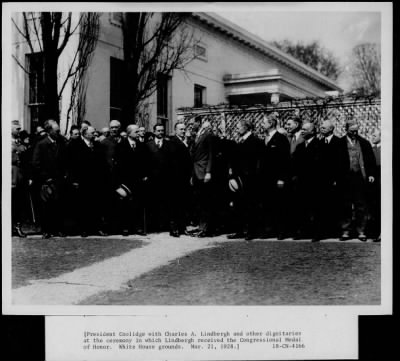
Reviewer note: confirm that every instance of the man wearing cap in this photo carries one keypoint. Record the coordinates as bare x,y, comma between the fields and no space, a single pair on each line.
246,166
360,170
131,177
49,165
18,179
86,168
181,170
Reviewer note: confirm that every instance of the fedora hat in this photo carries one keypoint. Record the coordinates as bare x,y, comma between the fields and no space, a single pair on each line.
235,184
123,191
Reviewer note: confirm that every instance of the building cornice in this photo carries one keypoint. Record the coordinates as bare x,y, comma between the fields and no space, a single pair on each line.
253,41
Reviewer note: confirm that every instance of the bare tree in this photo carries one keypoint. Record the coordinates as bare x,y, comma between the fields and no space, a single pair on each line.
88,36
313,55
366,69
51,31
153,44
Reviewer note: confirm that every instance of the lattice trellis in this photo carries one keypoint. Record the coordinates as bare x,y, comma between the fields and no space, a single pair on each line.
366,111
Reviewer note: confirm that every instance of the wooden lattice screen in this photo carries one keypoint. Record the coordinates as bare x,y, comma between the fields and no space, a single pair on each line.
367,111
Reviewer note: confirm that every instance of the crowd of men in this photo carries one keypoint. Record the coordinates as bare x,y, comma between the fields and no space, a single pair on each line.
300,181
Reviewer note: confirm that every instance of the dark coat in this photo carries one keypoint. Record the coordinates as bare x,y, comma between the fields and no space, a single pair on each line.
130,164
368,166
333,160
17,162
275,159
181,161
86,166
49,160
247,159
158,161
305,164
203,155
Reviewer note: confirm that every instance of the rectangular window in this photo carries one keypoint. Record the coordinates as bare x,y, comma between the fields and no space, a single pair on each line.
35,65
162,97
199,95
116,77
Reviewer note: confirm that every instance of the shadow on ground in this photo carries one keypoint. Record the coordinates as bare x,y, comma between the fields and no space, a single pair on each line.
34,259
260,273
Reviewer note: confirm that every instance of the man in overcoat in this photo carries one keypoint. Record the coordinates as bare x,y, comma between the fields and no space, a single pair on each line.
131,178
49,166
274,173
86,173
181,171
203,155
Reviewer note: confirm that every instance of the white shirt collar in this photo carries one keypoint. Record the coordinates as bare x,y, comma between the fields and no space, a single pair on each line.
131,142
297,134
271,133
88,143
329,138
308,141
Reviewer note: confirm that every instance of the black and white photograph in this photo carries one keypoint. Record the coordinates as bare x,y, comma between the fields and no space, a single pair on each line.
216,155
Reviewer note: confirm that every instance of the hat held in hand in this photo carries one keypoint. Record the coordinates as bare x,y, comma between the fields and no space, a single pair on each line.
123,191
235,184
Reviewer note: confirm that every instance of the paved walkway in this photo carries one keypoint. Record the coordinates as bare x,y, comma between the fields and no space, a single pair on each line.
113,273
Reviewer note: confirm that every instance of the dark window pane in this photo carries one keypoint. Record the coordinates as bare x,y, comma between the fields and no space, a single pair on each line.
162,95
115,114
116,76
198,96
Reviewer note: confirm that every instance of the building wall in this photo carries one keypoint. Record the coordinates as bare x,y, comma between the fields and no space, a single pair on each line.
224,56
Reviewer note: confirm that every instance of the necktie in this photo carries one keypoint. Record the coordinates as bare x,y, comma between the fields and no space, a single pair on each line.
326,141
159,144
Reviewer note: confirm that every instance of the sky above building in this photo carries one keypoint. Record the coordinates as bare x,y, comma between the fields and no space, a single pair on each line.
337,31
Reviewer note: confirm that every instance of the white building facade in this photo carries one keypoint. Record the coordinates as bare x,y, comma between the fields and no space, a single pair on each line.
232,66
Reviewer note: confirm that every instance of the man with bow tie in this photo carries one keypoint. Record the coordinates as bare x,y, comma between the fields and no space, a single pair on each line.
158,155
86,172
181,171
131,178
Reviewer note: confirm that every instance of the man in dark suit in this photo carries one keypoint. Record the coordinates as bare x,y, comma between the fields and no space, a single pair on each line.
305,175
246,166
159,177
131,177
108,146
274,172
331,169
86,169
375,191
181,171
360,170
203,157
49,168
293,127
